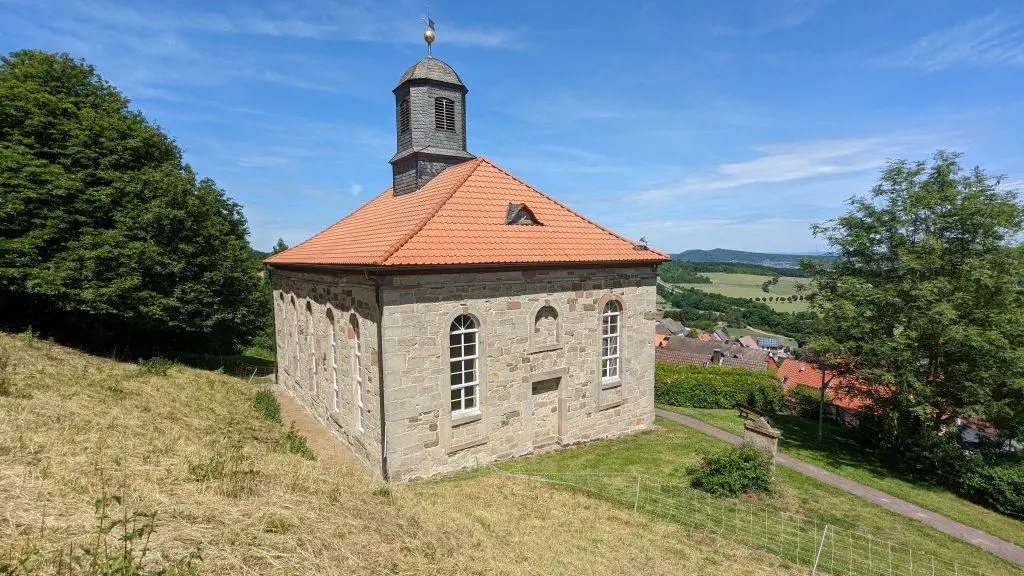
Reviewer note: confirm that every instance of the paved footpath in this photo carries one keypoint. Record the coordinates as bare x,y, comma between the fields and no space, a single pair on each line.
999,547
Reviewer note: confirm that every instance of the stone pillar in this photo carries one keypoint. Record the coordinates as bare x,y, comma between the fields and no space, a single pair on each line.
759,434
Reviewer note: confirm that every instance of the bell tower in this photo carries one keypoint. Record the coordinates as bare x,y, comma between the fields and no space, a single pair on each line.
430,121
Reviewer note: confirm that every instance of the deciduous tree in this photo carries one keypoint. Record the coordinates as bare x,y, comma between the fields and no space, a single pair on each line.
108,237
926,295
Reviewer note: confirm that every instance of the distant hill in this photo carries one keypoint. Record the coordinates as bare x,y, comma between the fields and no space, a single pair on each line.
739,256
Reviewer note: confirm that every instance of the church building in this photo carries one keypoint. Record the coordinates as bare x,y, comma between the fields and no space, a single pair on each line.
463,317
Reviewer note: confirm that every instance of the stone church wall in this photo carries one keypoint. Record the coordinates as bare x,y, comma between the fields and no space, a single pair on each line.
326,302
540,358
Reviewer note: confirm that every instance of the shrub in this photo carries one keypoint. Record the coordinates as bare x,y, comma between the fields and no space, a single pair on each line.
296,443
735,471
716,387
266,404
156,366
995,485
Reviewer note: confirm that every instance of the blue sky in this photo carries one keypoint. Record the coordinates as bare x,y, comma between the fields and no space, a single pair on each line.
699,124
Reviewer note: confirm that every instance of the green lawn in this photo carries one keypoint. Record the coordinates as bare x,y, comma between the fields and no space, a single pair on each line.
840,452
663,457
749,286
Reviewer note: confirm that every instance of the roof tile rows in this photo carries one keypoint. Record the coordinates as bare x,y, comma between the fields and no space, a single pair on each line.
459,218
799,373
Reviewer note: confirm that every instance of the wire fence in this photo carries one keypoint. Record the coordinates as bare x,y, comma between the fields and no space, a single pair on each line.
823,547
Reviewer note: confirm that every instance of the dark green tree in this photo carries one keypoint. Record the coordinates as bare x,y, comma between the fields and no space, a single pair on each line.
108,238
926,299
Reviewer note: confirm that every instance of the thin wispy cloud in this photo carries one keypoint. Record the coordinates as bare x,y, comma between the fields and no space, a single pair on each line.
992,40
767,16
264,162
355,189
796,161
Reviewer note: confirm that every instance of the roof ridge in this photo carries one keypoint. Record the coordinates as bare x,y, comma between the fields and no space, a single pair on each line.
430,215
588,220
336,222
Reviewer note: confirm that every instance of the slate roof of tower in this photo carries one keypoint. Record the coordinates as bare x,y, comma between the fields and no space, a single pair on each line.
431,68
458,218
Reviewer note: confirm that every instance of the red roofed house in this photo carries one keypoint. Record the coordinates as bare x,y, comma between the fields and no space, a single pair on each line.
462,316
797,373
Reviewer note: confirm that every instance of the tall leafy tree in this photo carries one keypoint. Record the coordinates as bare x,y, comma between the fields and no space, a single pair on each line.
925,299
108,238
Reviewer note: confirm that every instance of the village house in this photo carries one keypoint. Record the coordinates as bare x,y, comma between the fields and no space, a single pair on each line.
461,316
699,353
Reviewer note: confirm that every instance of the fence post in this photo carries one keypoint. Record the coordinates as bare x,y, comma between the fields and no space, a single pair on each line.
798,539
824,533
636,500
890,557
766,545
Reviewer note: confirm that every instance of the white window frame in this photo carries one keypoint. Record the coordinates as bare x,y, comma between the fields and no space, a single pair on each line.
335,404
311,345
295,339
611,323
357,367
467,389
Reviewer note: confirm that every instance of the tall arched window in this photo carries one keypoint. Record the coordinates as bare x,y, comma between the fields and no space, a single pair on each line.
403,116
311,345
463,356
333,329
444,114
295,338
357,367
610,341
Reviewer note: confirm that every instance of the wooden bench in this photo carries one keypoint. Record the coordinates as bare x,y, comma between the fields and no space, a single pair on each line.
747,412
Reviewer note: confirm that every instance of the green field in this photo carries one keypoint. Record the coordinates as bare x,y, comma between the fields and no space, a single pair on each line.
749,286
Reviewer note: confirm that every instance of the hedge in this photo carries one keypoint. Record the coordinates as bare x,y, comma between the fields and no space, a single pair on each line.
999,486
716,387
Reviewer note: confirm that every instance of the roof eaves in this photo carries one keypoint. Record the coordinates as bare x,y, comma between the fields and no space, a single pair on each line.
274,259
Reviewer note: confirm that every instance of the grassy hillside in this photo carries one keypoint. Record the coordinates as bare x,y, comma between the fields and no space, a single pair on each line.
749,286
759,258
190,447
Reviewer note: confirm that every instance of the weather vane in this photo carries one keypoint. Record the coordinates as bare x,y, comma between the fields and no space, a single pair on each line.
428,34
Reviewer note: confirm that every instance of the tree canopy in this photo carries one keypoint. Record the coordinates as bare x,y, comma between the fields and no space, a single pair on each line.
108,237
926,298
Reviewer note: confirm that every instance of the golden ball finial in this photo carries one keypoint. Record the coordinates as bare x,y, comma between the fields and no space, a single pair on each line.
428,35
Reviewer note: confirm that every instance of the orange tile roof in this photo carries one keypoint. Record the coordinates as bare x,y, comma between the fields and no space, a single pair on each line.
459,218
798,373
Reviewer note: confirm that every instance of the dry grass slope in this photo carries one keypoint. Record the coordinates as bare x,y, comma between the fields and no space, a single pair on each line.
190,447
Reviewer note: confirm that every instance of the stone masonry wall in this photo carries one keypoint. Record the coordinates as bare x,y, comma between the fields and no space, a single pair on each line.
326,303
534,394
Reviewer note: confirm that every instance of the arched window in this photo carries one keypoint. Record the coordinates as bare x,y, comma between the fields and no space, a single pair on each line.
610,341
444,114
333,329
295,338
311,345
403,116
545,326
463,356
357,367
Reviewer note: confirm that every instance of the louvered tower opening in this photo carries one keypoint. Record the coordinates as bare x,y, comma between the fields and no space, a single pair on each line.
444,114
403,116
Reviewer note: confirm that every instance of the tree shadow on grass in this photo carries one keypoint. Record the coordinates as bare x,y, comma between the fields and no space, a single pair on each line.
838,446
